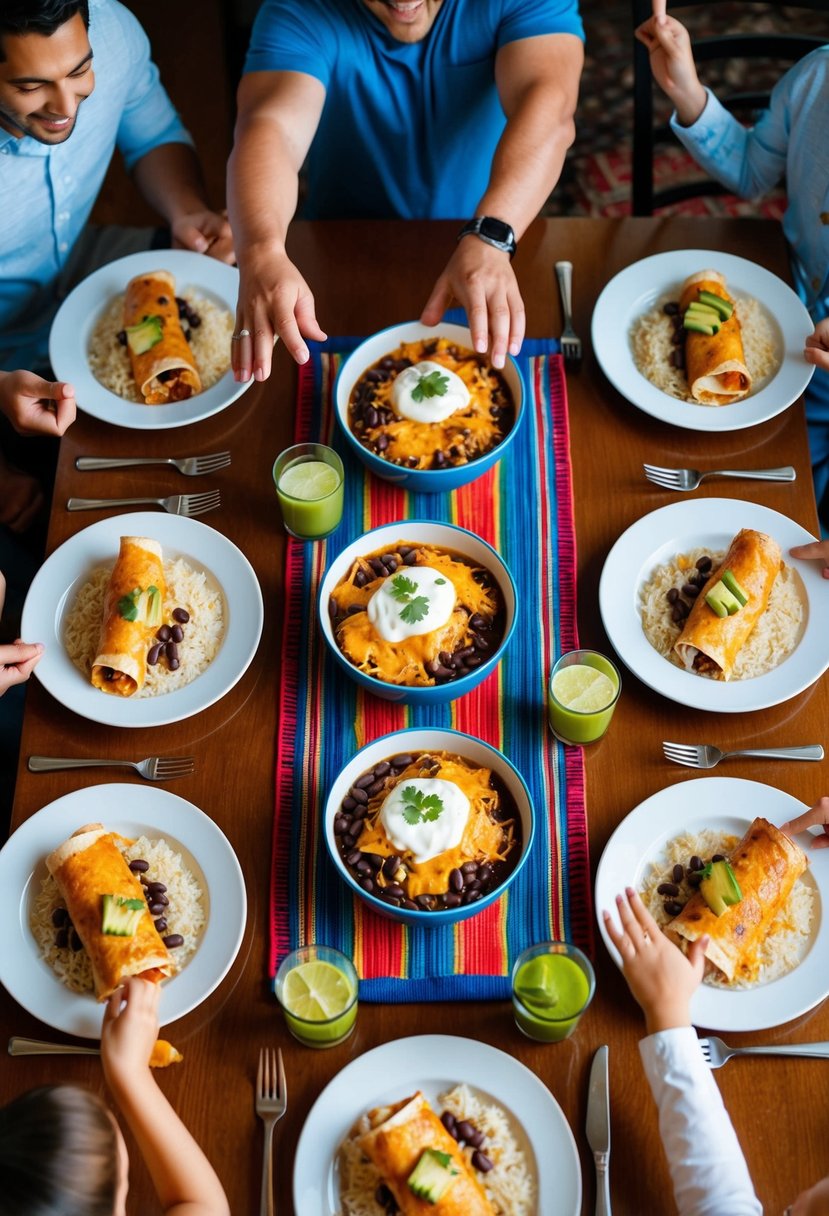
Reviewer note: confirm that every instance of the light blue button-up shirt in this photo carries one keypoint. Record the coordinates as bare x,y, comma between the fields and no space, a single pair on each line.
47,191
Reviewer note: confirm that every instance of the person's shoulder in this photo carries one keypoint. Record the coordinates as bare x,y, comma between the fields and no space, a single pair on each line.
325,18
111,24
806,82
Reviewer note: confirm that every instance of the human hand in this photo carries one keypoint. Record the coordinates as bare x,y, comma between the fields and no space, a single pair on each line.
20,498
204,232
660,977
35,406
818,549
817,345
672,63
17,662
129,1032
481,278
814,1202
274,302
818,815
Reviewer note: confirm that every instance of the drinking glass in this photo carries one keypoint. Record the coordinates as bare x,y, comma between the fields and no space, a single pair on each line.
552,985
317,989
580,705
309,485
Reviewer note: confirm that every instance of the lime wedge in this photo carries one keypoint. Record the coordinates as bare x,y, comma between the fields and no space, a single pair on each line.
309,480
316,991
583,688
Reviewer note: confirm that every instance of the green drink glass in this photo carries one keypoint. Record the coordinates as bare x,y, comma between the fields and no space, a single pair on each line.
317,989
309,485
552,985
581,697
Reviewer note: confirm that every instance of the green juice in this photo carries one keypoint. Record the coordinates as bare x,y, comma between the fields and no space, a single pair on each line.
580,714
317,989
310,494
322,1034
549,994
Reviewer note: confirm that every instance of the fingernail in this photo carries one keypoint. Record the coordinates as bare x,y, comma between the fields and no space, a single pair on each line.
514,348
244,375
629,891
497,360
201,244
480,345
39,647
302,354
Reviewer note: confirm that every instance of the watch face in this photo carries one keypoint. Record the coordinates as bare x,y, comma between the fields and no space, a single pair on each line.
496,230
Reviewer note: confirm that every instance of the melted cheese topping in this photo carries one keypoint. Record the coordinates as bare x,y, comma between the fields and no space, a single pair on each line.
389,608
484,839
428,409
403,662
426,838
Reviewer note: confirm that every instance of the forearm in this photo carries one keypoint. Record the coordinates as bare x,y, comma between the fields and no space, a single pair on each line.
746,161
170,180
181,1174
262,185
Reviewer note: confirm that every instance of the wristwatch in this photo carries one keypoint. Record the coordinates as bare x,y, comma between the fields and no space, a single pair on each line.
494,232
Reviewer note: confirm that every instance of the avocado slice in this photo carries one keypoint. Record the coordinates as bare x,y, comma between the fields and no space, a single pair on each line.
152,609
724,307
700,326
702,310
734,587
143,336
120,915
719,887
432,1176
722,601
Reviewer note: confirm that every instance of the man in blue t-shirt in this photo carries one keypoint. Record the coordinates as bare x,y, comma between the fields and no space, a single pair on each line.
438,109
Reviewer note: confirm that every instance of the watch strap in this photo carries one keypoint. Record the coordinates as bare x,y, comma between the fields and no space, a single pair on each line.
493,231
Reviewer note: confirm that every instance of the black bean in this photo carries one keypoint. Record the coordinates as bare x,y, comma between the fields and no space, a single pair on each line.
367,884
181,615
391,865
482,644
671,309
476,1139
449,1122
695,878
432,666
718,857
391,565
386,363
377,566
465,1130
360,578
163,634
477,621
469,897
160,924
481,1162
667,888
677,337
154,654
464,652
195,320
375,861
402,761
122,337
410,904
359,795
484,873
139,866
349,841
363,867
696,863
444,673
341,825
371,416
469,867
672,595
172,940
158,897
410,559
59,917
451,899
362,782
678,873
348,803
473,885
704,563
360,811
62,938
156,886
425,901
381,769
75,942
672,907
177,633
395,889
156,908
439,459
171,650
382,1195
691,590
456,880
474,660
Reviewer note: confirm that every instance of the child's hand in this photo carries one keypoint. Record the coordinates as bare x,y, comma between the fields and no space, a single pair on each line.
818,815
817,345
818,549
17,662
660,977
672,63
35,406
129,1032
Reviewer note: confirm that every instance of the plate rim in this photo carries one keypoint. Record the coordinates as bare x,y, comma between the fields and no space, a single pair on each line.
458,1050
243,607
89,296
651,400
189,826
707,1003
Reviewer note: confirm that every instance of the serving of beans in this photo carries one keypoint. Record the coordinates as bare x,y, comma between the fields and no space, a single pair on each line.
683,882
167,641
680,599
672,310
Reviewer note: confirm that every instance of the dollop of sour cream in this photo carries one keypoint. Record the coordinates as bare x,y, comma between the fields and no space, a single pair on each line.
386,606
426,838
429,409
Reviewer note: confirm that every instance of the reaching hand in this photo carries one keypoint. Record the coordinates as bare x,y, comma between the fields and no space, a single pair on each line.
129,1031
274,302
818,815
35,406
672,63
481,278
17,662
818,549
660,977
817,346
205,232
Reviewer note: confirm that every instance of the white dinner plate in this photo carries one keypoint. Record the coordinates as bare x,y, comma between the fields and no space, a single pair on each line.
64,572
133,811
78,314
710,523
726,804
635,290
435,1063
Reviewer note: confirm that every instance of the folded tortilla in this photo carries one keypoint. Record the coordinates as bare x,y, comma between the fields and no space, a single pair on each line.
167,371
715,365
86,867
766,863
709,643
120,666
400,1134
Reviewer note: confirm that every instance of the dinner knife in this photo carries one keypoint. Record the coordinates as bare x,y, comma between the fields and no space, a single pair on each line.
598,1128
38,1047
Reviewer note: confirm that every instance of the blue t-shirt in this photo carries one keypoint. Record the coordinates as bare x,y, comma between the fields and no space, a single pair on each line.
408,129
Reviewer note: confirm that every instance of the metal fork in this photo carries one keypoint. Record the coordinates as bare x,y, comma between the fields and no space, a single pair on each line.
176,504
154,768
703,755
190,466
271,1104
716,1053
570,342
689,479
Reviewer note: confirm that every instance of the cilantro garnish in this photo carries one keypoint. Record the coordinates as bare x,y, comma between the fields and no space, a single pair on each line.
439,582
435,384
416,606
128,605
403,588
419,807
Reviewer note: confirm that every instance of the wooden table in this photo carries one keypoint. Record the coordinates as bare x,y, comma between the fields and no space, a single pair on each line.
364,277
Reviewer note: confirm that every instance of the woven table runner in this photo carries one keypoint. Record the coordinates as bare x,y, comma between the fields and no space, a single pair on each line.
523,508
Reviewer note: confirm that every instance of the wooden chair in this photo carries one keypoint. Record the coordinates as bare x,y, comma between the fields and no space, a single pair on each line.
786,48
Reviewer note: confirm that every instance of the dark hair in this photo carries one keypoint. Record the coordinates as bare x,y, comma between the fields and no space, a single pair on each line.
38,16
58,1154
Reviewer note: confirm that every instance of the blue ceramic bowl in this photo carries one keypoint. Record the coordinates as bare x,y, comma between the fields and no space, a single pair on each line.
419,739
430,481
424,532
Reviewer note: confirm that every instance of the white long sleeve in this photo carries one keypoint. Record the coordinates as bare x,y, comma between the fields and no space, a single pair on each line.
708,1170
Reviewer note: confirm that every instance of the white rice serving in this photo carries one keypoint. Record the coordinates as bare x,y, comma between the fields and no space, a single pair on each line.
210,344
785,942
509,1185
650,340
186,588
772,639
185,914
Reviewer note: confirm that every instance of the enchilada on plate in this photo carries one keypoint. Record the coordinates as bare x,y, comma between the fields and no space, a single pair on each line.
715,363
162,361
132,612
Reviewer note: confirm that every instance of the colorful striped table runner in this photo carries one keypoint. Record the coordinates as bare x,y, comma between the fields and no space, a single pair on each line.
523,507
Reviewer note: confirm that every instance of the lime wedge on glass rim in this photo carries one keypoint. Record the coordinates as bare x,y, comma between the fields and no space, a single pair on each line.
309,480
316,991
583,688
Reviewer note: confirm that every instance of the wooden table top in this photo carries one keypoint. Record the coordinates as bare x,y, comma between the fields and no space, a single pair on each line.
364,277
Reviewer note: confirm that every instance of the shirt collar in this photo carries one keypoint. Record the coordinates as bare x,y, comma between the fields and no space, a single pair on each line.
26,146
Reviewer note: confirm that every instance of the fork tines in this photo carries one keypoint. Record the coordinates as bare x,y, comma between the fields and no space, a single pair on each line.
271,1085
198,504
669,478
571,349
213,462
682,753
165,768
